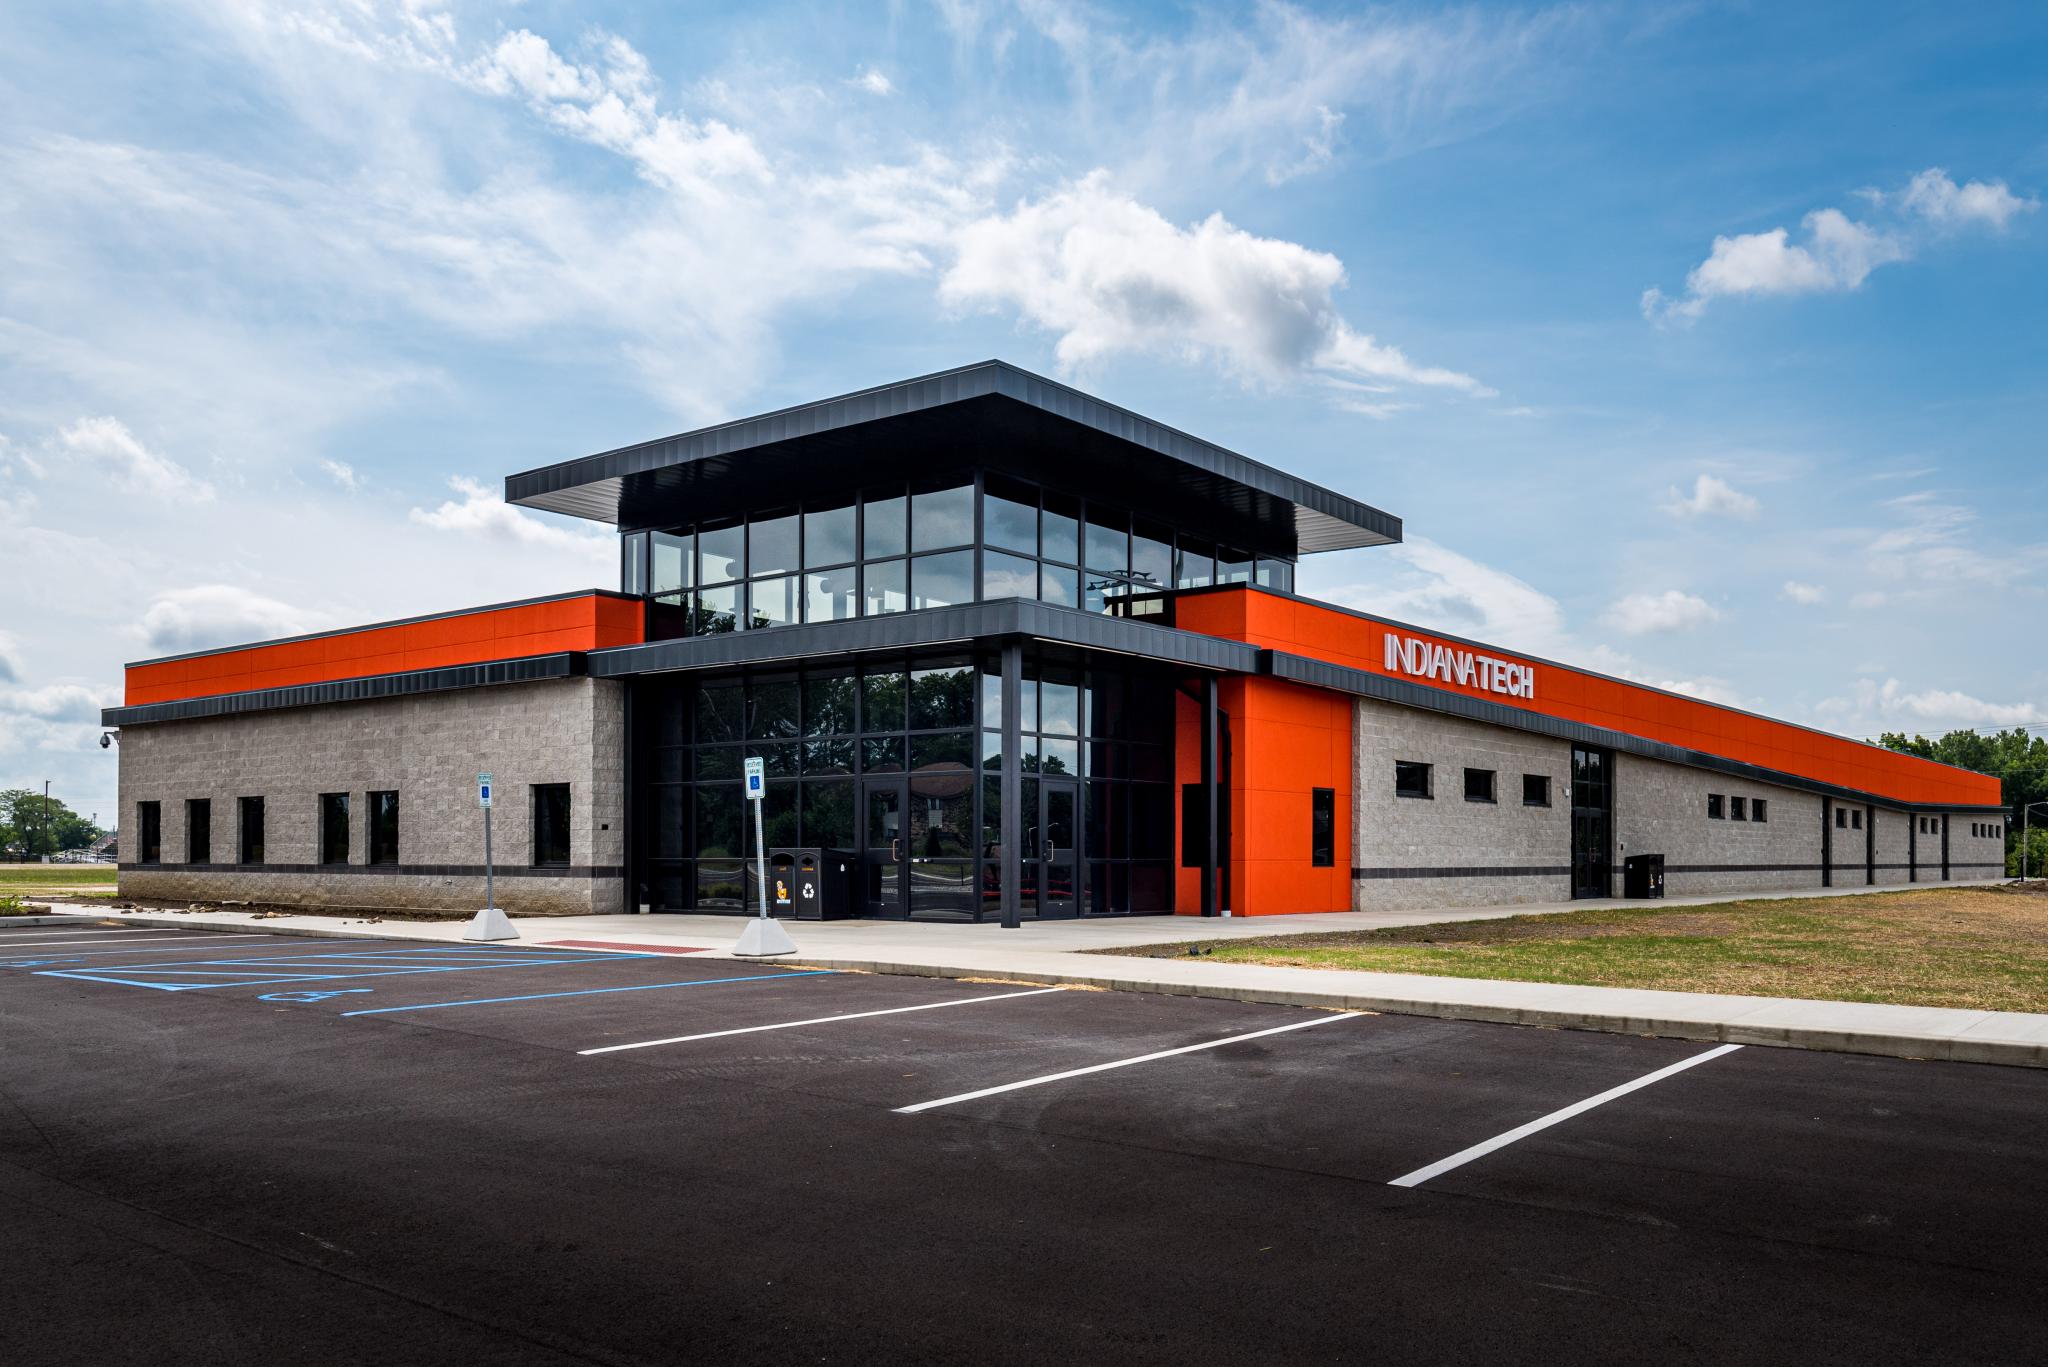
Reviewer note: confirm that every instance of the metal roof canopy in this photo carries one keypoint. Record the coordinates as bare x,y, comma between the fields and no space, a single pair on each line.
990,415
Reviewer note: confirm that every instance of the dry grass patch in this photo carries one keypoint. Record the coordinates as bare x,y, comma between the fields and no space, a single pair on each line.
1980,947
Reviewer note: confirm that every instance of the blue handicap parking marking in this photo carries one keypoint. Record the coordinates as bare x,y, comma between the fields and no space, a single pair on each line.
311,996
194,975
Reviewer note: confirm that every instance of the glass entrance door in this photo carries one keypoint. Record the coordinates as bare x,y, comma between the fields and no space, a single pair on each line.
1592,822
1059,829
884,856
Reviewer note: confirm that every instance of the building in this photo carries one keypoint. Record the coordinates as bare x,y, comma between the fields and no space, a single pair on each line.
1023,654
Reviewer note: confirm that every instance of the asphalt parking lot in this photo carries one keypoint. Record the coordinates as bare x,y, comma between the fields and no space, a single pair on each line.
226,1148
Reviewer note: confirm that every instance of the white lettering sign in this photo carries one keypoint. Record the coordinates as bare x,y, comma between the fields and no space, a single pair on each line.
1427,660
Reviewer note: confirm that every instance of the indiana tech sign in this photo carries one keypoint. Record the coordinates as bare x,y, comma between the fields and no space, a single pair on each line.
1427,660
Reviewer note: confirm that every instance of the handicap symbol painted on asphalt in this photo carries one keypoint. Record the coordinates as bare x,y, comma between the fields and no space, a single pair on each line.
309,996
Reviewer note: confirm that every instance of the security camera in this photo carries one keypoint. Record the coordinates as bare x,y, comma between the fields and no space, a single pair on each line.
106,739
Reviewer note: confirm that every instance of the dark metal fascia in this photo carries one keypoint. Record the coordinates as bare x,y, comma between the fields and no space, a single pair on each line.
1384,688
589,486
959,625
530,669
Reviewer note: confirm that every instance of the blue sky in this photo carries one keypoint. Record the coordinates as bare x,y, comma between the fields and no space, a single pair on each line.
1698,344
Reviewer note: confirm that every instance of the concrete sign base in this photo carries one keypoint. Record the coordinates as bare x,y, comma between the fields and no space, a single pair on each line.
490,924
763,937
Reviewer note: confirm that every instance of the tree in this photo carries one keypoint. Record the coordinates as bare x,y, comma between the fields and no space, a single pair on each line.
29,829
2018,761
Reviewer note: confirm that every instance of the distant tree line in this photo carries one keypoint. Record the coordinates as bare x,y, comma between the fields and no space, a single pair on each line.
29,829
2017,760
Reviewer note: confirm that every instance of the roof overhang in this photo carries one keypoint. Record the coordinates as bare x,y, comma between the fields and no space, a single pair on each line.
990,414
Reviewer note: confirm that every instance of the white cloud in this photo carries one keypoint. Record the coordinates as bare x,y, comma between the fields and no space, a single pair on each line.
482,512
1868,599
1933,196
10,658
209,615
1711,497
121,459
1837,253
1874,704
1933,543
342,473
1671,610
1806,595
1110,275
874,82
13,458
1438,587
60,702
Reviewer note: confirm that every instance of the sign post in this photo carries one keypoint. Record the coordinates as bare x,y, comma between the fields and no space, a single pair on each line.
490,923
764,935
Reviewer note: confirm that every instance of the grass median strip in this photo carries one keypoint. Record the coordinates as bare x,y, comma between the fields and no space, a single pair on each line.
1982,948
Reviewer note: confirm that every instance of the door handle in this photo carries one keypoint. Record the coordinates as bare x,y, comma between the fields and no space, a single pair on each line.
896,850
1050,850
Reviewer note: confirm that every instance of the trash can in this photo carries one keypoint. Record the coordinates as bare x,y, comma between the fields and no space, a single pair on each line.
808,883
1642,876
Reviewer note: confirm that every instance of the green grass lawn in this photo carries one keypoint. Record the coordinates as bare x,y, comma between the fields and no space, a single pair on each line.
50,880
1983,947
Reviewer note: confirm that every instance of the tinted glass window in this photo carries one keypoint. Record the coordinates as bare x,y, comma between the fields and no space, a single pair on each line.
671,562
1009,516
149,816
334,828
1760,810
1059,704
1194,564
942,697
1276,574
384,828
942,517
1715,810
198,831
721,554
1535,790
829,594
1479,785
938,581
550,823
773,602
718,609
1008,576
251,851
633,563
771,545
828,705
1738,809
1059,529
1109,541
828,535
1410,779
773,707
1152,557
1232,566
1057,585
1322,827
884,527
882,698
886,586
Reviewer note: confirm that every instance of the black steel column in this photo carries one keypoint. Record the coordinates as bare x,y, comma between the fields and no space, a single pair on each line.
1013,780
1870,845
1913,847
1944,847
1210,804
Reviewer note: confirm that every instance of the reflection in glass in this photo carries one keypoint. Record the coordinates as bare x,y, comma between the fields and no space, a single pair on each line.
1056,585
828,704
718,820
772,709
831,756
771,546
774,601
938,581
1009,516
1109,541
991,695
828,595
881,755
882,696
941,697
721,554
828,535
942,517
721,712
947,750
1059,529
718,763
671,562
1233,566
1194,564
883,527
1152,560
718,609
1059,756
1007,576
828,815
1276,574
886,587
1059,703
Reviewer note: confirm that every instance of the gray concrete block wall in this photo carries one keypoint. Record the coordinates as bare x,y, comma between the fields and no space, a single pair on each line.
1661,808
1975,852
429,749
1447,851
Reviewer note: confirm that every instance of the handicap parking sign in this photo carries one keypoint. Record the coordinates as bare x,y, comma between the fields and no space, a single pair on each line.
757,780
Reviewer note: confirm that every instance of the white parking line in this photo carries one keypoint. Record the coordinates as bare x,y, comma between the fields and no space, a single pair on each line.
1501,1141
1120,1063
822,1020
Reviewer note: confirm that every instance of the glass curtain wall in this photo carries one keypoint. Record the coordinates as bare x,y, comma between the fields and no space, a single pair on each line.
905,547
901,741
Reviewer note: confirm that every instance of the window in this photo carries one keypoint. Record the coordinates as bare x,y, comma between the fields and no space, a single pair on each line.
1535,790
1738,808
1856,819
942,518
772,545
1411,779
722,554
383,828
1479,785
1841,818
828,536
149,849
884,527
334,828
198,831
1009,516
550,824
1716,807
1759,809
1322,827
250,850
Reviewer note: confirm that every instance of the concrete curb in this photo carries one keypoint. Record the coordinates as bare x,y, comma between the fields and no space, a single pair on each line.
2011,1038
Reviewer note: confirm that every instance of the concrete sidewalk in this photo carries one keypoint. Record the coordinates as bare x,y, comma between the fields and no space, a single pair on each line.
1055,952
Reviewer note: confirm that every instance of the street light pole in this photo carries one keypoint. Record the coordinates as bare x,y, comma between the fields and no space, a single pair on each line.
2026,825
